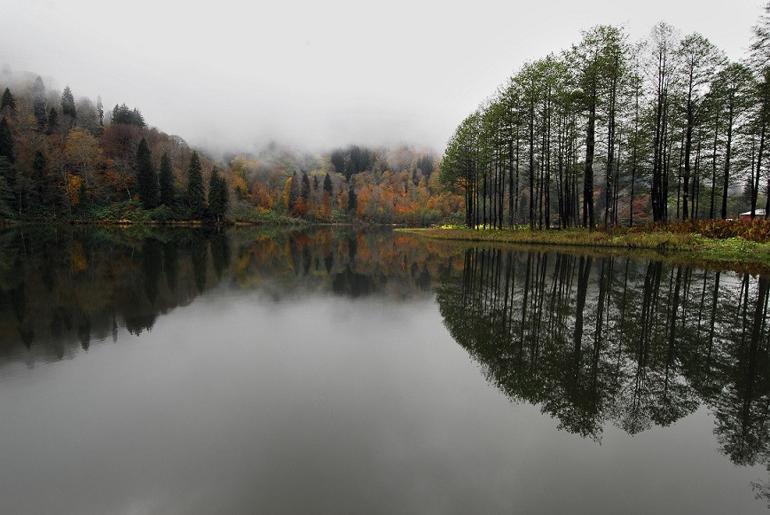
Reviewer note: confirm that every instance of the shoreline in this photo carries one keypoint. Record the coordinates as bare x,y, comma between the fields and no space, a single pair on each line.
736,253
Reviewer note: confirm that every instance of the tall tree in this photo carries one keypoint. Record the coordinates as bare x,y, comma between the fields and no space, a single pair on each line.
328,184
166,182
196,200
734,85
218,196
699,61
68,103
8,103
38,103
6,141
146,178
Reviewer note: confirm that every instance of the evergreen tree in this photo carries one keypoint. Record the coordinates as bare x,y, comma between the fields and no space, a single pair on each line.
218,196
6,141
38,103
328,184
146,179
293,192
100,112
315,183
352,199
305,193
68,103
8,102
38,177
166,181
6,192
53,121
196,200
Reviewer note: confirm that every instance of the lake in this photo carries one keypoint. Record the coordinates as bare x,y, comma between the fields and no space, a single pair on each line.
335,371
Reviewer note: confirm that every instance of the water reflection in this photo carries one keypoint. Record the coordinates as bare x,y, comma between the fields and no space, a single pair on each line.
592,341
636,344
64,288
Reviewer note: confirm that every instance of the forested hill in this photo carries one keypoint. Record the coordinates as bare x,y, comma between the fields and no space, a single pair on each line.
616,131
71,158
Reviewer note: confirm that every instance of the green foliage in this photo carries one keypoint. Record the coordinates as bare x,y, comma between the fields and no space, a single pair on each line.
218,196
53,121
6,141
196,199
68,103
352,199
8,102
124,115
328,188
166,182
146,178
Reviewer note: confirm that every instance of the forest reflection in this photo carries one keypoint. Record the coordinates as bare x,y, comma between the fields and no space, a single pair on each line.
63,289
591,341
609,340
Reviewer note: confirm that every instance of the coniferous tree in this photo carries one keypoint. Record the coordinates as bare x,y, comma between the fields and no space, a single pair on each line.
8,102
294,195
196,200
146,179
38,103
305,192
100,112
68,103
352,199
6,191
166,181
53,121
218,196
328,184
6,141
38,177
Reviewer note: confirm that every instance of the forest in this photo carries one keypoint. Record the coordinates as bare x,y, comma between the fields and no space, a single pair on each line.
619,132
75,160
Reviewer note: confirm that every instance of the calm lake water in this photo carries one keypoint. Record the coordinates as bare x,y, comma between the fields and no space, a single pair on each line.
329,371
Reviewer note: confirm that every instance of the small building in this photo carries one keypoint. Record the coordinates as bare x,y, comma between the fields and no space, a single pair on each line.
758,213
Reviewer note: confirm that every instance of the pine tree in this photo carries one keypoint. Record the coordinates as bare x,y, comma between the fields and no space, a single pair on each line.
196,200
6,141
68,103
315,183
146,179
100,112
218,196
6,192
166,181
38,103
328,184
293,193
352,199
38,175
305,193
53,121
8,102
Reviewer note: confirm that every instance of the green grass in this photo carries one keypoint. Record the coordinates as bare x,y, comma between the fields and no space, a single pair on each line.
736,252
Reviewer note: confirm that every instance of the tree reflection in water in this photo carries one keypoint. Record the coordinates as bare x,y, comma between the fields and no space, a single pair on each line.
590,340
605,340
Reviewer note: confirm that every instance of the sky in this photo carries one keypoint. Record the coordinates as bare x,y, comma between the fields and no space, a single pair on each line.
235,75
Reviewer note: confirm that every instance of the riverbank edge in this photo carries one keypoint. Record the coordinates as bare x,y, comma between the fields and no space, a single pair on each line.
737,253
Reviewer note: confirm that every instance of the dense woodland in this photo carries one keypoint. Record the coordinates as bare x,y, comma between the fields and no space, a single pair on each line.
74,159
613,131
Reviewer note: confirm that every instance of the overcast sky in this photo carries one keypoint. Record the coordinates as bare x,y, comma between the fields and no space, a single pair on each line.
235,74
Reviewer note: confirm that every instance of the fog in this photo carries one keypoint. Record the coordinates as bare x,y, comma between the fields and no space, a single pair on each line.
231,75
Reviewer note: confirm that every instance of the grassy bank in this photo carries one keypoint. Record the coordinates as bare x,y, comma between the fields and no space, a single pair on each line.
736,252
